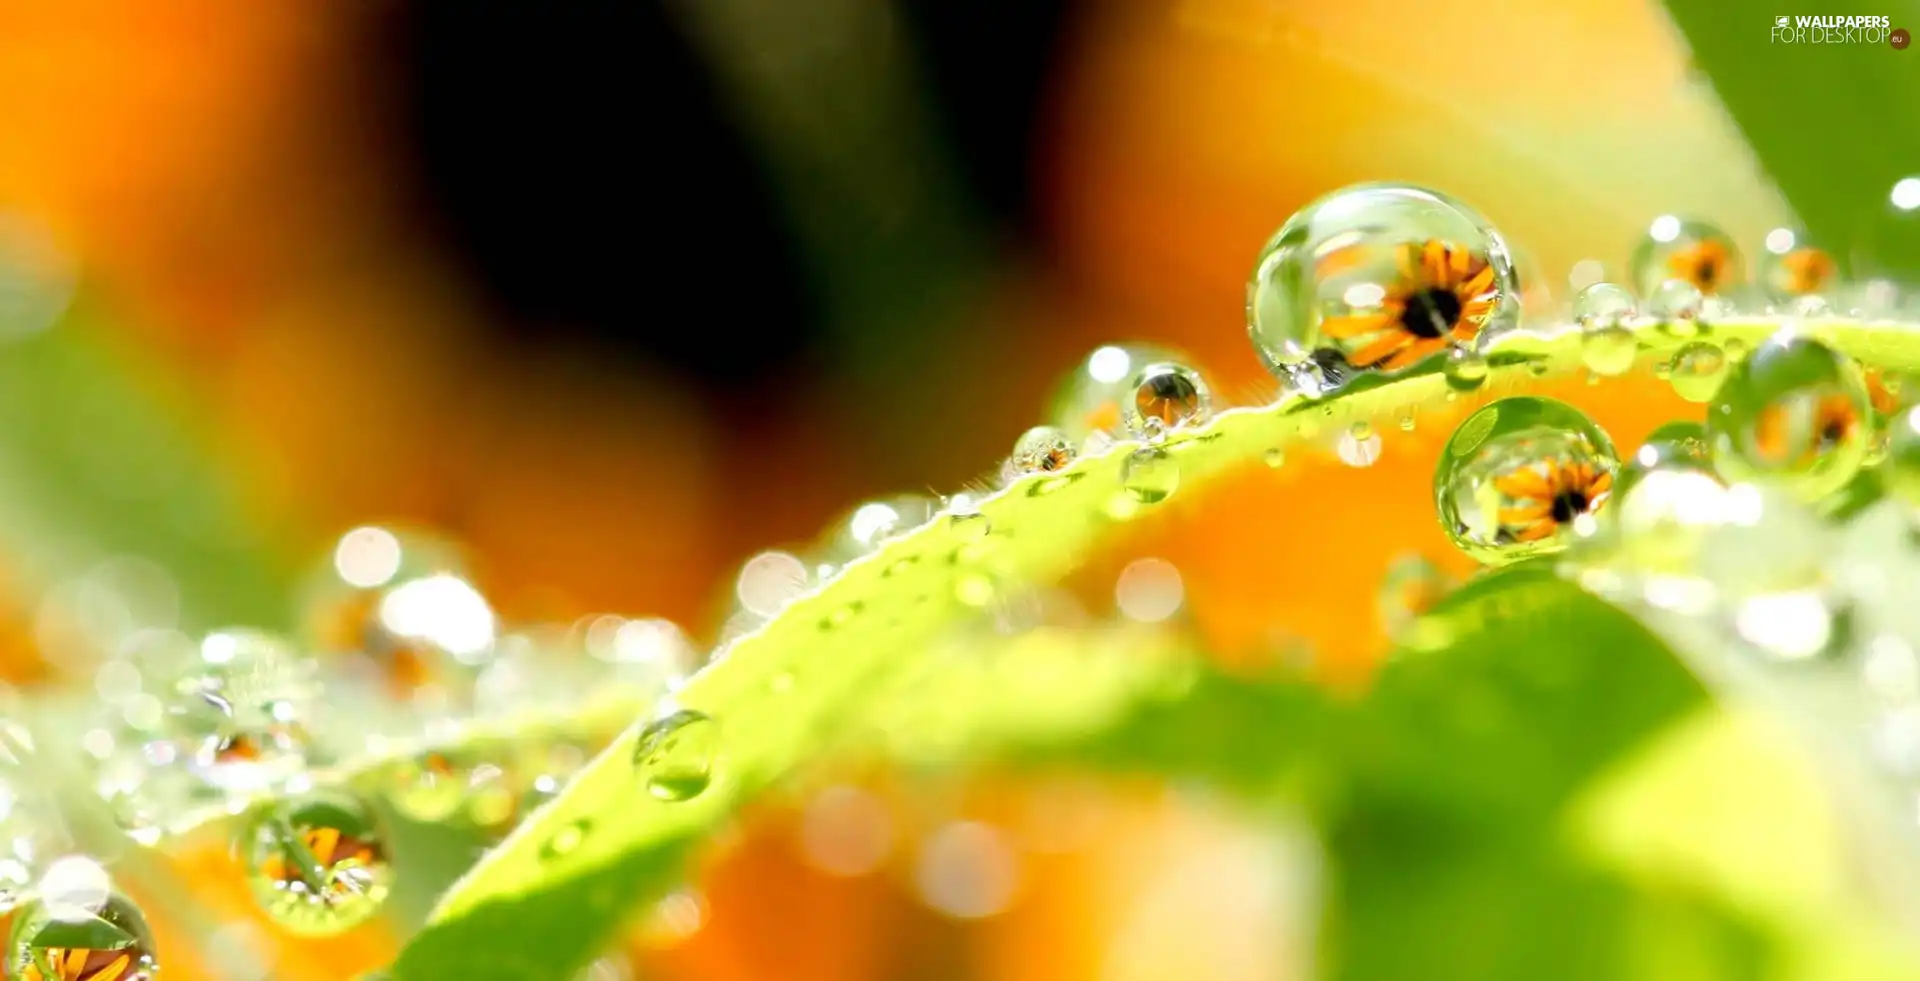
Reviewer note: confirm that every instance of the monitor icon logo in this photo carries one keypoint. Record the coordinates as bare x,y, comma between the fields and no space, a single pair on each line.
1780,22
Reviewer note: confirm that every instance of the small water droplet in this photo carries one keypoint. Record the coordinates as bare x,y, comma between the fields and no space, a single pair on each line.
677,754
428,787
1697,370
1686,251
1087,405
1677,304
1275,457
1150,475
1520,476
1166,396
1603,305
318,863
1379,277
1359,446
1407,421
1539,369
1043,449
1465,371
975,589
566,840
1607,345
1793,413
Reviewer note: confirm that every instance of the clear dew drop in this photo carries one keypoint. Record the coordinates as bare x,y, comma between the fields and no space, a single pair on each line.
1603,305
676,755
1465,371
108,938
1793,413
1676,303
239,715
1792,266
1604,312
1520,477
975,589
1379,277
1150,475
1359,446
1901,468
429,787
1696,371
1088,401
1274,458
1166,395
1688,251
567,840
1043,449
318,863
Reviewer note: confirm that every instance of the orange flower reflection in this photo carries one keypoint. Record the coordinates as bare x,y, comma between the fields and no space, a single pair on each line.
1444,293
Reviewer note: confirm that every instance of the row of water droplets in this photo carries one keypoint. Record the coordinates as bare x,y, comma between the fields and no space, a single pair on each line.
1376,279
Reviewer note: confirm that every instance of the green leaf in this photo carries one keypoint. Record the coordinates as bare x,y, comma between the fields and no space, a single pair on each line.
796,690
94,466
1834,124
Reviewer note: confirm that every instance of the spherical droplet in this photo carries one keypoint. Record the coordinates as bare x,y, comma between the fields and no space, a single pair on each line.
1696,371
239,716
1519,476
319,863
1465,370
1043,449
1166,395
1901,469
1412,586
429,787
1677,304
1689,251
104,941
1603,305
1604,312
1090,398
1793,267
1676,445
1379,277
676,755
1150,475
874,523
1795,413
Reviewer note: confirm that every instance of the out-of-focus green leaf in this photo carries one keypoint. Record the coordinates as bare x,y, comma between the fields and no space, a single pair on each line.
1834,124
93,466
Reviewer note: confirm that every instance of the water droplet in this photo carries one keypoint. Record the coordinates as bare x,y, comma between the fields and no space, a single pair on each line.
1089,399
1166,395
1412,586
1043,449
1676,445
1794,413
1359,446
107,939
1604,312
1519,476
1676,304
239,716
1901,469
875,523
1465,370
1407,421
769,581
1150,475
1696,371
318,863
1379,277
1688,251
1603,305
1275,457
975,589
676,755
566,840
429,787
1792,266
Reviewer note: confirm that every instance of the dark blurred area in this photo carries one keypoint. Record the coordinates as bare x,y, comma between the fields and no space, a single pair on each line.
584,164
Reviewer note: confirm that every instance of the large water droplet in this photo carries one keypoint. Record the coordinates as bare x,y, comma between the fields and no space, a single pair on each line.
318,864
1696,371
104,939
239,715
1150,475
1604,312
1792,266
1519,476
1042,449
1379,277
1166,396
1465,370
1089,400
676,755
1692,252
1795,413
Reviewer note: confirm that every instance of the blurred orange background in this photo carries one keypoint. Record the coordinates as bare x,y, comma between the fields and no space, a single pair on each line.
223,175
